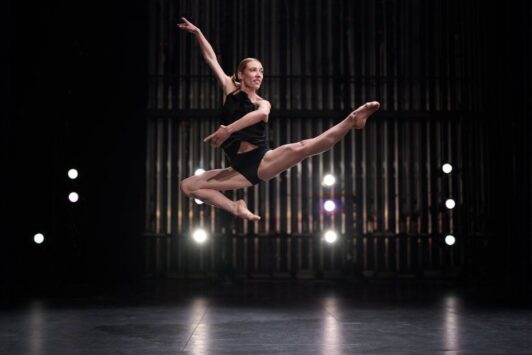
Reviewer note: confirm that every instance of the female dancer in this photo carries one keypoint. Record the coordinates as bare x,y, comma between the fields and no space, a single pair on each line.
243,135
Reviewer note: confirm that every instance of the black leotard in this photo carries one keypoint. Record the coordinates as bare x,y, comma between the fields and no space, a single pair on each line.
235,107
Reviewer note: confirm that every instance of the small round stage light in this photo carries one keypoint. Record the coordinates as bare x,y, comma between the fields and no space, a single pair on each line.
450,240
38,238
330,237
199,236
447,168
73,197
73,174
198,201
199,171
328,180
450,204
329,205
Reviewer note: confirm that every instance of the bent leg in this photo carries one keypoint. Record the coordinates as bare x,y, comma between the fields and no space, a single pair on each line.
286,156
207,186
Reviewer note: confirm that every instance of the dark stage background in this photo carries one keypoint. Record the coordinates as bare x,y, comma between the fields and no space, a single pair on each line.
113,89
78,84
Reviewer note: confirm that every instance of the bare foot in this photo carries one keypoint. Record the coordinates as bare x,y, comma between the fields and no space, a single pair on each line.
242,211
361,114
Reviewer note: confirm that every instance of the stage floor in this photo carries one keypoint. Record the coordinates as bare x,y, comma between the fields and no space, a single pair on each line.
292,317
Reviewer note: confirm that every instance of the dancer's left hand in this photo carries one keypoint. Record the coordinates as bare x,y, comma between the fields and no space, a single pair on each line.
218,137
187,26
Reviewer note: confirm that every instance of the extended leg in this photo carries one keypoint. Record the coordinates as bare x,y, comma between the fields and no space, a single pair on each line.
207,186
288,155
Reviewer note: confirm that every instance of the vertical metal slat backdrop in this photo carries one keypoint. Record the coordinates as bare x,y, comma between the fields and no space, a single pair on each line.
322,59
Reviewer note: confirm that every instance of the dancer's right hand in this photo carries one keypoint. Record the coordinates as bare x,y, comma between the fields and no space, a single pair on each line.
220,136
187,26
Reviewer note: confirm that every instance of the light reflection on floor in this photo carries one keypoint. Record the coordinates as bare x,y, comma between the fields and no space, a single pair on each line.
318,318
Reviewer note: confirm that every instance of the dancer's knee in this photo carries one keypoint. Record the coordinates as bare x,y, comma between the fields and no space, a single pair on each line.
187,187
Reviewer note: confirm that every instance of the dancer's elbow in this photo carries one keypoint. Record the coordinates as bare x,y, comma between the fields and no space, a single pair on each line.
264,110
264,116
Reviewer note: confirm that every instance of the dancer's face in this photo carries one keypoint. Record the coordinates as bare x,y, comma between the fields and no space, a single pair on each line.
252,75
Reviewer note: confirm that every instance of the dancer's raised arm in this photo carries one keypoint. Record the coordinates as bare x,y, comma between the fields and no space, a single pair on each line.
223,79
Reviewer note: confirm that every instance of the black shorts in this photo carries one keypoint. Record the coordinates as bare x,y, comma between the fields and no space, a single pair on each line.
246,163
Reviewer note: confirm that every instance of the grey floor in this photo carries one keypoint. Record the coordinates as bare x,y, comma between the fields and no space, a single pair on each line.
172,317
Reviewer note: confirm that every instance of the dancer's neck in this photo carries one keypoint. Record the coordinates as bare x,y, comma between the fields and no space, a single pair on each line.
252,94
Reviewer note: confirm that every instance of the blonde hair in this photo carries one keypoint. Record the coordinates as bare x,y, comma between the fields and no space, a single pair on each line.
241,67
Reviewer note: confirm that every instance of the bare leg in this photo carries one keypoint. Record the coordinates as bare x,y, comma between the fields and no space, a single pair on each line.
288,155
218,199
207,186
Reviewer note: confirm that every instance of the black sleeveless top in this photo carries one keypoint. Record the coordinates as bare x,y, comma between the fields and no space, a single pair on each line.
235,107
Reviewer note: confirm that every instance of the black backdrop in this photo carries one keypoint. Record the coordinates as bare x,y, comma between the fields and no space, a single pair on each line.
76,98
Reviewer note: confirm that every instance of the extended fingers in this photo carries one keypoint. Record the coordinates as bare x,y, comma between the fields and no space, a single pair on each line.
209,137
184,24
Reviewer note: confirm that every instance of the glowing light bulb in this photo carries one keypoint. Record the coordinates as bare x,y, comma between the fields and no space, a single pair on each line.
329,206
199,236
72,174
330,237
447,168
450,204
73,197
450,240
38,238
328,180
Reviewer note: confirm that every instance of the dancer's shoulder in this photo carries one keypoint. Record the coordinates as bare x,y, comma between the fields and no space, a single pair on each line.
262,101
230,88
